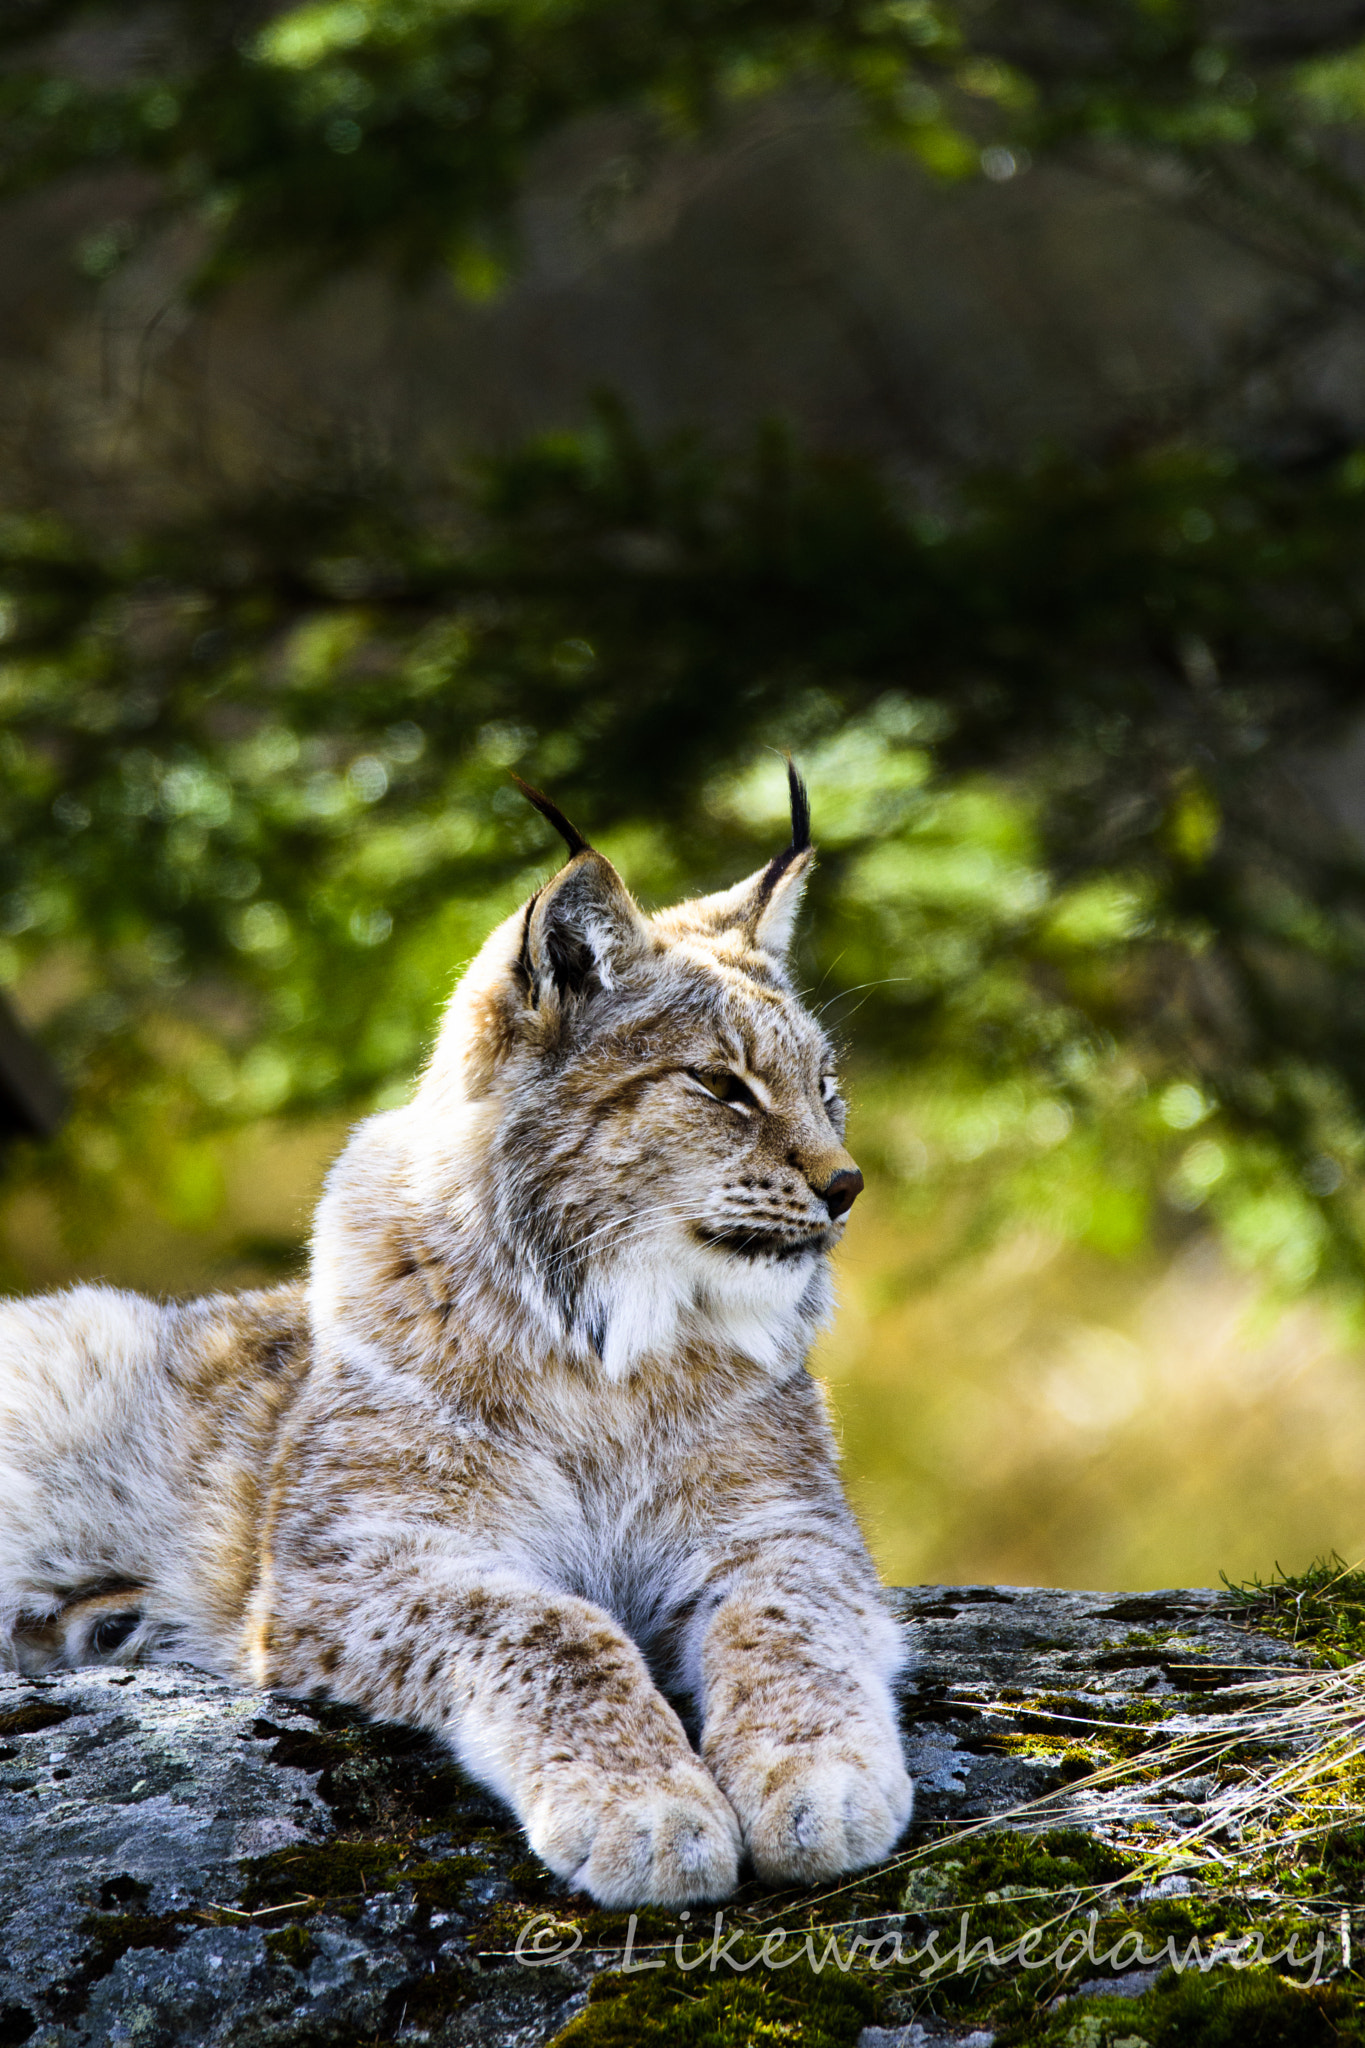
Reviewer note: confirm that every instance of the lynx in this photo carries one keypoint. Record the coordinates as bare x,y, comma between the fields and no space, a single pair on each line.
533,1452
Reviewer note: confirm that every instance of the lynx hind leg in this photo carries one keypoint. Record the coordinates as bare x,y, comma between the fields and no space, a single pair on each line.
78,1499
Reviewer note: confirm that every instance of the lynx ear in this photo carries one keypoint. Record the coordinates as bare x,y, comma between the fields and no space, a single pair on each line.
764,906
582,934
578,935
582,930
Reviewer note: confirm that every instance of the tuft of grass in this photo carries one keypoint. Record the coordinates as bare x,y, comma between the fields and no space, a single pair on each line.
1322,1608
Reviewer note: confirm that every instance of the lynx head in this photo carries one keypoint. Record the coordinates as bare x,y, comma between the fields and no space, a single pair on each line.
655,1116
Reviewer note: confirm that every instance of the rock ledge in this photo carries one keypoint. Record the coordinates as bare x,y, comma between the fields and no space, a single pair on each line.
182,1862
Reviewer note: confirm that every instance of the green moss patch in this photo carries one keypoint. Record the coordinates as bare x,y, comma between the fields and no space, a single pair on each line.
1225,2009
1125,1728
1344,1864
31,1716
832,1964
111,1935
339,1877
658,2007
292,1945
378,1778
107,1936
1060,1862
424,2002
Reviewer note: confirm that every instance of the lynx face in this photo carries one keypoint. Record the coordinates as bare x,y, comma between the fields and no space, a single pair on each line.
664,1125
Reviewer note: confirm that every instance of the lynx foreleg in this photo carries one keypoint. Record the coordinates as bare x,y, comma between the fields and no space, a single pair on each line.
800,1726
546,1701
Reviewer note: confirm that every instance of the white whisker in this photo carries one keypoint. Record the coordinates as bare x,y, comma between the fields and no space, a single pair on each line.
887,981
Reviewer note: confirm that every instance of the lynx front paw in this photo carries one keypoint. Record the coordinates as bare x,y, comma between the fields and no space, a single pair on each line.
642,1841
815,1812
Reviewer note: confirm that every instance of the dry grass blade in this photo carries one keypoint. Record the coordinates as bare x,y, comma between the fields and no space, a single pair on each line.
1313,1722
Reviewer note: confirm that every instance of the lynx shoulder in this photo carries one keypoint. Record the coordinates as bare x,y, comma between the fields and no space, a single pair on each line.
534,1451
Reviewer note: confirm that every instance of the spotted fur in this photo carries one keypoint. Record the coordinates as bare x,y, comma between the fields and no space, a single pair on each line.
533,1462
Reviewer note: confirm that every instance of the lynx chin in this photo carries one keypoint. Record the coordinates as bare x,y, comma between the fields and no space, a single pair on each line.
534,1446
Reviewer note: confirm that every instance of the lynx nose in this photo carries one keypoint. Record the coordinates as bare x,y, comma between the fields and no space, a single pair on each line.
842,1192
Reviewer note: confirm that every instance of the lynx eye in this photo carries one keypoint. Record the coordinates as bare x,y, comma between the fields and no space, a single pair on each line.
112,1632
725,1086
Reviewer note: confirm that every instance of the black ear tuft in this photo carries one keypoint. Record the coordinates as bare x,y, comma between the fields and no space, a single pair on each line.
522,970
570,834
800,840
800,797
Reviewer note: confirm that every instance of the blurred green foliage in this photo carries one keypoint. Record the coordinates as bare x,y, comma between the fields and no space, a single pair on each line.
1099,955
1101,961
401,128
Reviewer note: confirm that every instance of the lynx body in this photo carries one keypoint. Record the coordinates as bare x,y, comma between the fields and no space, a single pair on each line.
535,1445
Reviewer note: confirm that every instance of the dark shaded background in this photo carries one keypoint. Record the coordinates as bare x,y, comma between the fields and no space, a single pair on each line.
970,400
